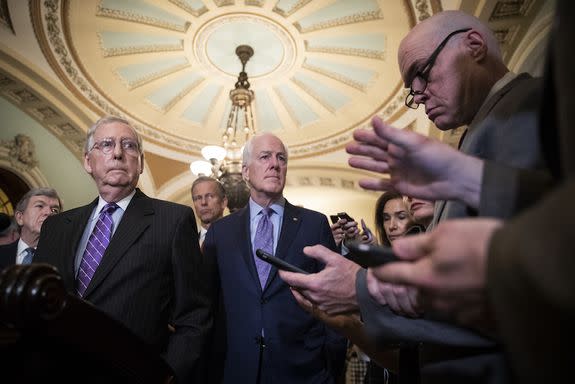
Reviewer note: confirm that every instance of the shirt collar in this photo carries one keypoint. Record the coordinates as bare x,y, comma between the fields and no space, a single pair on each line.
278,207
22,246
123,204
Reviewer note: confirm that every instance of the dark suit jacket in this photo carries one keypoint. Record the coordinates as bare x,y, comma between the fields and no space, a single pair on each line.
298,348
151,274
8,254
531,263
504,132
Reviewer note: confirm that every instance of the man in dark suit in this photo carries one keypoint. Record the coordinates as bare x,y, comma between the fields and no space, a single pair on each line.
453,66
152,271
270,339
31,211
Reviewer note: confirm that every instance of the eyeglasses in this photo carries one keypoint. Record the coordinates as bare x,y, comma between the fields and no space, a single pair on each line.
106,146
419,82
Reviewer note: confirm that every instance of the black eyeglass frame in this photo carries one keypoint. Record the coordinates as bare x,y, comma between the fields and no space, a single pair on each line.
424,74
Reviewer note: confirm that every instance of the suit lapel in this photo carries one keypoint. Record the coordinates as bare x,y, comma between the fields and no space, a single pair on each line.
138,216
290,225
247,251
75,226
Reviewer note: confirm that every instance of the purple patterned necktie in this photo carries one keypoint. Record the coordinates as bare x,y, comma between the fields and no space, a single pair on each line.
264,240
97,243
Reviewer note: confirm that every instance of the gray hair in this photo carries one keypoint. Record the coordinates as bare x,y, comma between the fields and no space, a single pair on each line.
48,192
249,146
104,121
221,192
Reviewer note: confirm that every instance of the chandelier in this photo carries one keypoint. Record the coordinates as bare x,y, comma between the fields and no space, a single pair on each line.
224,163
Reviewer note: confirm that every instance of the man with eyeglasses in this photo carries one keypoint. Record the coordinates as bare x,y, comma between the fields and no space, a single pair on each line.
134,257
452,65
31,211
210,201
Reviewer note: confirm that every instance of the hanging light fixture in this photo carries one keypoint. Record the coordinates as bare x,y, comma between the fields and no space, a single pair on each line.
225,162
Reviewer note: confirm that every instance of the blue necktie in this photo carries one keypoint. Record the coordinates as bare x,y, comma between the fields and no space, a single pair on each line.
29,255
264,240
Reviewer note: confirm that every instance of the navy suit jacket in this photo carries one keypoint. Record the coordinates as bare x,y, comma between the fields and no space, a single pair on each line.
151,275
8,254
298,348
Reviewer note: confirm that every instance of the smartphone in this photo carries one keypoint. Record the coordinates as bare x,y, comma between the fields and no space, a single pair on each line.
369,255
366,231
345,216
334,218
278,263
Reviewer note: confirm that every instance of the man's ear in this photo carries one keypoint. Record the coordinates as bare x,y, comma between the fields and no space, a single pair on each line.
18,217
225,202
245,173
87,165
476,45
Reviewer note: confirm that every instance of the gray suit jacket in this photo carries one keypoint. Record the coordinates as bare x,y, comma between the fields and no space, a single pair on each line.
505,134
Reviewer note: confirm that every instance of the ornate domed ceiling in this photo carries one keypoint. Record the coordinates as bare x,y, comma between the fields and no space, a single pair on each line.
320,68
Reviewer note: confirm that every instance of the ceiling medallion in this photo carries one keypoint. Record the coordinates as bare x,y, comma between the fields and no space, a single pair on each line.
213,45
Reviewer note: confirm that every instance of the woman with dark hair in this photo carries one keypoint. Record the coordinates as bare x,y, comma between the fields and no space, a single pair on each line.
392,217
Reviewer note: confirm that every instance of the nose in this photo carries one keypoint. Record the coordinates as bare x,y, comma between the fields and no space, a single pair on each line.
420,98
392,224
118,150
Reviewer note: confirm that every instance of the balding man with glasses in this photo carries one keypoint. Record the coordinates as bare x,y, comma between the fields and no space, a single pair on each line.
452,65
134,257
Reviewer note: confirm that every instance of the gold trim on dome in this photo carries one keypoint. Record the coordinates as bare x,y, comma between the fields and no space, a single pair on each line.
43,112
58,56
297,6
350,19
421,8
177,97
131,85
186,7
128,16
287,107
313,94
369,53
335,76
223,3
255,3
110,52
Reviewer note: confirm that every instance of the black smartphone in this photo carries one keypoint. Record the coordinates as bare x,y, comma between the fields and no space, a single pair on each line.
345,216
334,218
369,255
278,263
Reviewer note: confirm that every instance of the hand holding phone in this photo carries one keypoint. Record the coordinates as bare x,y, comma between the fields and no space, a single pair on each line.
367,232
279,263
345,216
369,255
334,218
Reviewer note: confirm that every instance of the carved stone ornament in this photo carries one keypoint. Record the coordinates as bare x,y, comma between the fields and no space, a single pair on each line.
22,152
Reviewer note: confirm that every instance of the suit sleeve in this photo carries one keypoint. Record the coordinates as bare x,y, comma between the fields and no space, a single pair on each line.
390,329
195,289
506,190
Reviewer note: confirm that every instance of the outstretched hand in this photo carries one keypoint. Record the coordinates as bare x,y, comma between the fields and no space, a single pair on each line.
417,166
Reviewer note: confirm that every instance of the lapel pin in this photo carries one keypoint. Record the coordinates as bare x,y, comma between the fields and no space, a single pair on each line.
294,218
